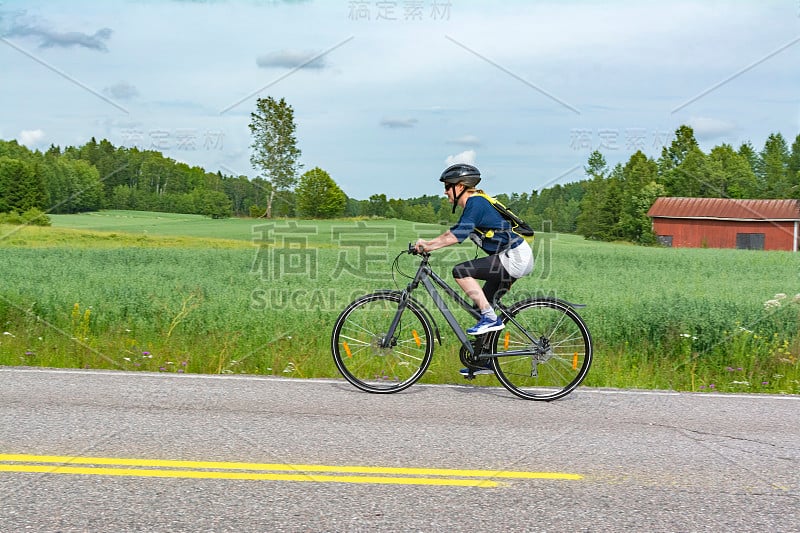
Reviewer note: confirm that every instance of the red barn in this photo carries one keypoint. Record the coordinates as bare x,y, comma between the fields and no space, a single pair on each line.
727,223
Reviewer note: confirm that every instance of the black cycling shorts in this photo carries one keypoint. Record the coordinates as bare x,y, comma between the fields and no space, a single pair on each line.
489,269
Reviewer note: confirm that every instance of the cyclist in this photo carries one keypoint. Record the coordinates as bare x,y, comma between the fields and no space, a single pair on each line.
509,255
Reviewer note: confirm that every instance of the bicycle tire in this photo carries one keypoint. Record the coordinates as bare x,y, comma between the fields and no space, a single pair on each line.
356,343
559,359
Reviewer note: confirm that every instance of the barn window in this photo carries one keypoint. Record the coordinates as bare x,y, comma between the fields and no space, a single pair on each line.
750,241
665,240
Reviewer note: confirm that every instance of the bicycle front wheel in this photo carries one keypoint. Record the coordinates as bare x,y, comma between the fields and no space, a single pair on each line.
371,361
547,347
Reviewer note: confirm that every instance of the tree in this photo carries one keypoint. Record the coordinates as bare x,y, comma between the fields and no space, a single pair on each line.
21,186
688,178
747,151
587,223
608,214
730,173
275,150
378,205
596,167
318,196
73,185
212,204
639,190
680,147
794,168
774,166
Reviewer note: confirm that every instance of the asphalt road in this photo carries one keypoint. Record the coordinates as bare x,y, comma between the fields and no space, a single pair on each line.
116,451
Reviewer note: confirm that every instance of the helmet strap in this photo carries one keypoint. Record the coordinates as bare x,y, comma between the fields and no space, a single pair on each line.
457,198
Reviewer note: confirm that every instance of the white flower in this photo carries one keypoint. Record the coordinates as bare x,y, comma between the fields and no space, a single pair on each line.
780,296
769,304
9,334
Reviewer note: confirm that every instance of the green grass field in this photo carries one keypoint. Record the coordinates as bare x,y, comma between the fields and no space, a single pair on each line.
183,293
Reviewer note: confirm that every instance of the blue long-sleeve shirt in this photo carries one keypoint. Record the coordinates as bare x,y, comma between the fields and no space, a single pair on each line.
481,215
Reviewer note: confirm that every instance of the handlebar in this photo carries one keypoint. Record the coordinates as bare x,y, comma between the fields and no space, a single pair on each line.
413,251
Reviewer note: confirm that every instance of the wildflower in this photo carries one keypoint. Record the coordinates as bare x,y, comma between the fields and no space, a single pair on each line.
796,298
780,296
9,334
740,383
770,304
765,383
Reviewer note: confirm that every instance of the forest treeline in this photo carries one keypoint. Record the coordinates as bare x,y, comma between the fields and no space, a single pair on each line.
609,204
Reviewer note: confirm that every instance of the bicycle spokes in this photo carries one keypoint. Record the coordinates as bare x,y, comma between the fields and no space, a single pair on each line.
370,359
544,352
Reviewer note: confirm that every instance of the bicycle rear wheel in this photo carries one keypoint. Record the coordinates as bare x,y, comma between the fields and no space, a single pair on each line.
361,353
556,346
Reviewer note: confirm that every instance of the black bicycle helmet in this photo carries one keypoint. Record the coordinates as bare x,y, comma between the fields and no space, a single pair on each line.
461,173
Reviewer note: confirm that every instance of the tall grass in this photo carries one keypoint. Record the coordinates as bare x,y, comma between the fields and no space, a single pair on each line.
261,298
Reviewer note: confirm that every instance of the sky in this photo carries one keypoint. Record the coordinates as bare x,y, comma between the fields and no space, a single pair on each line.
386,94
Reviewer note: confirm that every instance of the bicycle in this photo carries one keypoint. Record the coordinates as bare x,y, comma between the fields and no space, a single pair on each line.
383,342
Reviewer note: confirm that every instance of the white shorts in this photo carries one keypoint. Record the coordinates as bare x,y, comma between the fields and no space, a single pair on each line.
518,261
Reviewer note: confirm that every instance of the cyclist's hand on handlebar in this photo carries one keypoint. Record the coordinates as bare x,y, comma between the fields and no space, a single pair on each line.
419,246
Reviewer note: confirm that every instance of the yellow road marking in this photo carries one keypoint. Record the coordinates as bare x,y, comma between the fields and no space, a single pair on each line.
58,464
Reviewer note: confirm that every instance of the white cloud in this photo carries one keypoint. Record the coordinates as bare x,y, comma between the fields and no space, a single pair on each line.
31,138
307,59
467,141
395,123
49,38
707,128
122,90
467,156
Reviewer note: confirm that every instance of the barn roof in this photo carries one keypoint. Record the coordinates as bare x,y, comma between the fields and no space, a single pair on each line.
725,209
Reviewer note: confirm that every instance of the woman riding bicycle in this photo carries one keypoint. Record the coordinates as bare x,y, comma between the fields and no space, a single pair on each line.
509,255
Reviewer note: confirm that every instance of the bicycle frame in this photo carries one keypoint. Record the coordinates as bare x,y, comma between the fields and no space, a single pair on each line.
430,279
